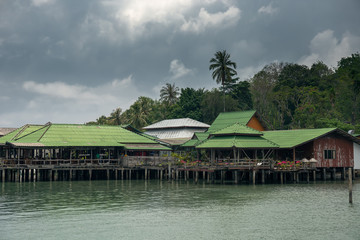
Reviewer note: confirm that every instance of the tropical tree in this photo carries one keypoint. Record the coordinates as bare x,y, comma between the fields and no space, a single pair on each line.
223,69
169,94
139,113
115,117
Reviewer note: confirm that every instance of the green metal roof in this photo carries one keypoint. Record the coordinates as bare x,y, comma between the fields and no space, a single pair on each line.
238,129
293,138
20,132
237,142
229,118
66,135
198,138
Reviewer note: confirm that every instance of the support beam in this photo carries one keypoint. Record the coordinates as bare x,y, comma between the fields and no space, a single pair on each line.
254,177
236,177
262,176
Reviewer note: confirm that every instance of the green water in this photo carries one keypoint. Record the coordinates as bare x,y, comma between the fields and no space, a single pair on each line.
163,210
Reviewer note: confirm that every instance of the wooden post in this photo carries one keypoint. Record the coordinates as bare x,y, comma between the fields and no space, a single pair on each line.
50,175
122,174
324,174
70,174
208,177
3,175
177,174
262,176
90,174
236,177
29,176
334,174
281,178
343,173
254,177
34,174
116,174
169,172
350,186
314,176
108,171
146,174
161,175
308,177
222,176
204,175
196,176
129,177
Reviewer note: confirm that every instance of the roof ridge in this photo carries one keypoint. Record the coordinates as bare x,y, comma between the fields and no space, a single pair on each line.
21,131
48,125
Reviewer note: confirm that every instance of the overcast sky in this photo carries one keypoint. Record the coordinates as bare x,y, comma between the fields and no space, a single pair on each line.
69,61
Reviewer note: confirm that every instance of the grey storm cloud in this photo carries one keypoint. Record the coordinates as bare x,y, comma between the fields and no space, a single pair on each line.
72,61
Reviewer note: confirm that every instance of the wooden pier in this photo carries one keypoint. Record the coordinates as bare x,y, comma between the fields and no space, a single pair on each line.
138,168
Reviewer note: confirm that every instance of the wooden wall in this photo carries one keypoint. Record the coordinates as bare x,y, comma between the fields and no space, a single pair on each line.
344,155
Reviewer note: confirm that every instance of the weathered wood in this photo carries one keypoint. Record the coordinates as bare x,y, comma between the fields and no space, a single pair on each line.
324,174
254,177
262,176
281,178
3,175
236,177
50,175
314,176
333,175
146,174
308,177
350,186
343,173
196,176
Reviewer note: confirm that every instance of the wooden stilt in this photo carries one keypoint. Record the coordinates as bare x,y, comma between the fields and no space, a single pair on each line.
333,174
281,178
308,176
70,175
343,173
116,174
324,174
314,176
56,175
204,175
146,174
262,176
122,174
254,177
236,177
196,176
50,175
350,186
208,177
3,175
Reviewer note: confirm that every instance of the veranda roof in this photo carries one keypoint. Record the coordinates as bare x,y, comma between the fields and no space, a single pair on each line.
238,129
255,142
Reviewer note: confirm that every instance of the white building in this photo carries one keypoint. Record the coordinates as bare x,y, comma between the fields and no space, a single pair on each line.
175,131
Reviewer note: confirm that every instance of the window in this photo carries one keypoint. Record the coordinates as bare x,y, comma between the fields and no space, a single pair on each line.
329,154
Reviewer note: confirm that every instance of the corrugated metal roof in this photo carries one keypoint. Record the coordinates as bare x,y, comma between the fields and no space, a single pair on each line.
173,133
229,118
238,129
66,135
177,123
237,142
4,131
293,138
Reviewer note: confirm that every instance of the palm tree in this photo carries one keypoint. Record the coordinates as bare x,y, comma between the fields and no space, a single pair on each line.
139,113
169,94
115,116
224,69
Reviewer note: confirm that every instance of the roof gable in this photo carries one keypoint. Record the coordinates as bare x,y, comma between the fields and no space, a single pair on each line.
229,118
238,129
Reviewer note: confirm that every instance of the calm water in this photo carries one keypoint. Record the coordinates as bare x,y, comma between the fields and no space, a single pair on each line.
162,210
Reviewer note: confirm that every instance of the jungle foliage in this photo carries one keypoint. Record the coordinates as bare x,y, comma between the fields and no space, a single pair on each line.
286,96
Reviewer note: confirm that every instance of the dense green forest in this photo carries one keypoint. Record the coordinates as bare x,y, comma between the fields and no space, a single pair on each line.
286,95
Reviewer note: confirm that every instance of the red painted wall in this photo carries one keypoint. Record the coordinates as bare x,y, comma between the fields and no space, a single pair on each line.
342,146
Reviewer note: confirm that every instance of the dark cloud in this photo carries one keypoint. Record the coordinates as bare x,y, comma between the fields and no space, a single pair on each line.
90,46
